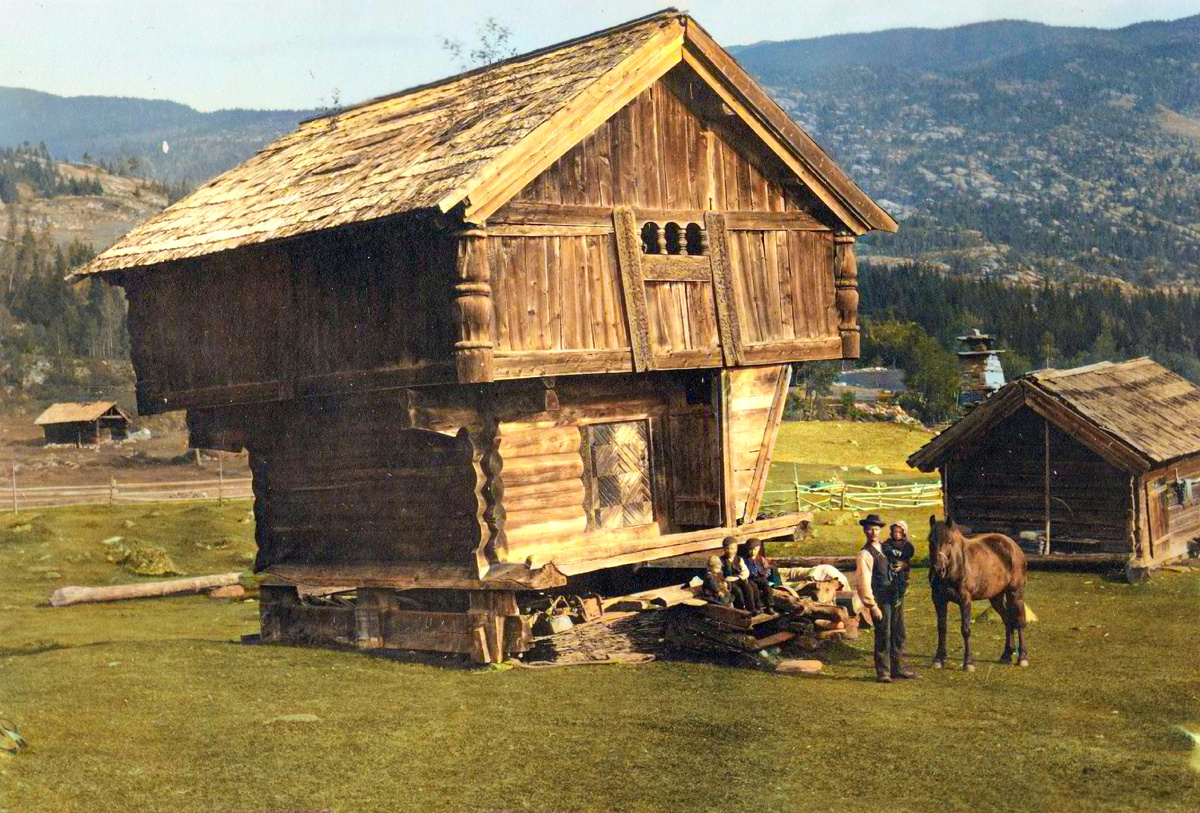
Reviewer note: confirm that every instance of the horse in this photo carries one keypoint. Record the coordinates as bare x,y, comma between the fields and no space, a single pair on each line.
962,570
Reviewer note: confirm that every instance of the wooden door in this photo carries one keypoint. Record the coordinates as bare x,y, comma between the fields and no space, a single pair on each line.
1159,517
617,475
695,460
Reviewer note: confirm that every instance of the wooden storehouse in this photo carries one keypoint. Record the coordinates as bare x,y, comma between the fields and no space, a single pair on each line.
84,424
487,334
1099,459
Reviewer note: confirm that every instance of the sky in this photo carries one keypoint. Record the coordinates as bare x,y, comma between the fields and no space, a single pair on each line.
304,54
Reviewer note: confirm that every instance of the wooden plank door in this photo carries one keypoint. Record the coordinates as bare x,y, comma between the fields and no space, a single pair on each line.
696,470
617,475
1159,517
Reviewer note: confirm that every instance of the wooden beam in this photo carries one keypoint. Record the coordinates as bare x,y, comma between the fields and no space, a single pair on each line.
674,268
725,428
846,283
370,380
758,485
1082,429
1046,482
545,230
472,309
633,286
699,358
823,349
534,363
502,576
773,221
526,213
728,324
152,402
660,547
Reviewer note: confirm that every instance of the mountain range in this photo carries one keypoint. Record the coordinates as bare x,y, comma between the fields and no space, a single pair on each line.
1013,149
1006,149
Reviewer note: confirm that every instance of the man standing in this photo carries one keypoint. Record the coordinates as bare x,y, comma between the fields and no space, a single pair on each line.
875,582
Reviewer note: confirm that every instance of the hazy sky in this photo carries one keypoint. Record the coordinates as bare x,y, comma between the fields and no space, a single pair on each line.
245,53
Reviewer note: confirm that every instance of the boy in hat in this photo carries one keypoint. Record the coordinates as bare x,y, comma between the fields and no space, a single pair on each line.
876,584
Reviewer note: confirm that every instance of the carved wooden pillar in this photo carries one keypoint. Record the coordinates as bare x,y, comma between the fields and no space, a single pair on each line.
846,281
473,350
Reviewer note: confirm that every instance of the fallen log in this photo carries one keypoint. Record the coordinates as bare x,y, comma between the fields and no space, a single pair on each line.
73,594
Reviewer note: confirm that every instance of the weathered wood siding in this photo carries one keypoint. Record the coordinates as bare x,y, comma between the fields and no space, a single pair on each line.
658,153
332,313
999,485
557,293
1167,530
345,483
753,419
783,281
559,286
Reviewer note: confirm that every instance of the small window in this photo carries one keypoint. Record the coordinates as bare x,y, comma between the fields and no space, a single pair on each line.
617,475
650,235
674,239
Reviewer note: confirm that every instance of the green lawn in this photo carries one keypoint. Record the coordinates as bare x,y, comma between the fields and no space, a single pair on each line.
155,706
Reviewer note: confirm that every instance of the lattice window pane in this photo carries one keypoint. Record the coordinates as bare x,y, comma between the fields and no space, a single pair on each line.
617,474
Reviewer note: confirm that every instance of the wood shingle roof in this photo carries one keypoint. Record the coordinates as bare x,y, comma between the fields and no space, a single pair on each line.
1137,414
71,412
470,140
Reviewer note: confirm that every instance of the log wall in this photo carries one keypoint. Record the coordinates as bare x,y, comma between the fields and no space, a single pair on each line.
330,313
998,484
344,482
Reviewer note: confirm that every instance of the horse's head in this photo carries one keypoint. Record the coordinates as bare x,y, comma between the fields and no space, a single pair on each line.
943,538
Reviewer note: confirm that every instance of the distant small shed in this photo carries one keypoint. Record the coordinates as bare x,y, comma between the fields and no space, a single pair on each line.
84,424
1098,459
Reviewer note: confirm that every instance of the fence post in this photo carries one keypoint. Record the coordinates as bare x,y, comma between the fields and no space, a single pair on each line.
796,487
112,490
220,478
842,501
14,485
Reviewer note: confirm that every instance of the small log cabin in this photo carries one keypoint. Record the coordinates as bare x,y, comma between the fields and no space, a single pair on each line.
1098,459
488,334
84,424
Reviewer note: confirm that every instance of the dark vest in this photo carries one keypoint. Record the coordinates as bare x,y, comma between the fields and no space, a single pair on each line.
883,581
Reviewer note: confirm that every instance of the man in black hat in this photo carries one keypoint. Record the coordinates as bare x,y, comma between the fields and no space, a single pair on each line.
875,582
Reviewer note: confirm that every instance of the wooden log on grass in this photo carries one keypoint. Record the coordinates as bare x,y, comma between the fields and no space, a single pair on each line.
73,594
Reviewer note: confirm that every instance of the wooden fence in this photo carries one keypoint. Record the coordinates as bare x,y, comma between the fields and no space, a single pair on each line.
115,493
852,497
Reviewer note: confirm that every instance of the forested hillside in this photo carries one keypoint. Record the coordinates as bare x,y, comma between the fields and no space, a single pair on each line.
91,128
1011,148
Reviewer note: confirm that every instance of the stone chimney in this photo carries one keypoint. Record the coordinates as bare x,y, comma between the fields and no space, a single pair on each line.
981,371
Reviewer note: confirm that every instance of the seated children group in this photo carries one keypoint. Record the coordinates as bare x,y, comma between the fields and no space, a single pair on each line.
741,577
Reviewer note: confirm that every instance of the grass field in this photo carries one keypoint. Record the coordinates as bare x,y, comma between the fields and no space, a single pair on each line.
155,706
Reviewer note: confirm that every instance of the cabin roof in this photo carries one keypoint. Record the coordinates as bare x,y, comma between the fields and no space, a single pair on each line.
469,141
1136,414
73,412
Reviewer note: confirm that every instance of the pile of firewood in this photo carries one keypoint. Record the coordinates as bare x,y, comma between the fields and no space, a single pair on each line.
807,617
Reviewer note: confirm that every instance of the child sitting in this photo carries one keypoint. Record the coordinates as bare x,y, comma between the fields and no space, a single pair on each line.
737,575
715,589
760,570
